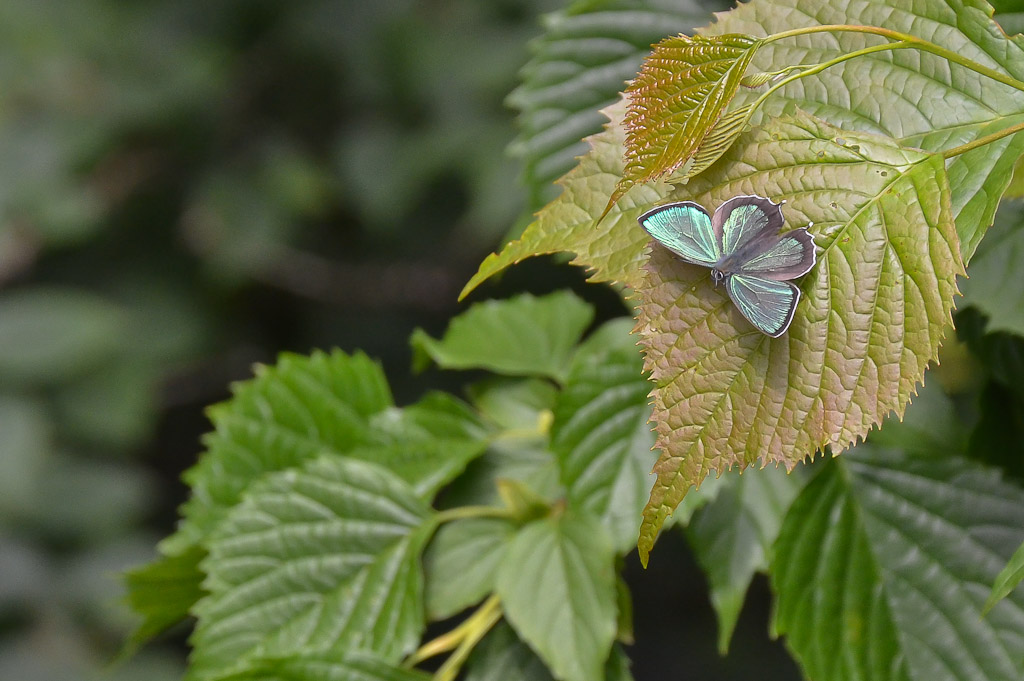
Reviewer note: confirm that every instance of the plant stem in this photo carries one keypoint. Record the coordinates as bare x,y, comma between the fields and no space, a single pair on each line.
461,512
818,68
483,619
475,626
904,38
982,141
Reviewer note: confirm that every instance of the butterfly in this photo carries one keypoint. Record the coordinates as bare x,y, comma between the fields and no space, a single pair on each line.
742,245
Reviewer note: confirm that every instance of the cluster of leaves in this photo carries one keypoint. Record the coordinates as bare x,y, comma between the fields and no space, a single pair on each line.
315,538
172,171
303,542
900,191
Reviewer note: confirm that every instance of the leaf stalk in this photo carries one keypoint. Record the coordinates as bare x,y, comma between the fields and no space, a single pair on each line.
982,141
913,41
462,639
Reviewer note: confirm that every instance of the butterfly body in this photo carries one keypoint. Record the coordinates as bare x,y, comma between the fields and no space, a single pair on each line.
742,245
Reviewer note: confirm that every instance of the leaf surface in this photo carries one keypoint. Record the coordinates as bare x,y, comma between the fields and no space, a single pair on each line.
872,315
578,66
611,248
603,441
461,563
995,285
521,336
328,666
162,592
288,414
918,98
1008,579
883,564
732,536
314,559
503,657
557,588
677,99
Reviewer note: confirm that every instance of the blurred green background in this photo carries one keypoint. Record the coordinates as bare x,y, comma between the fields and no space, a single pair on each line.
187,188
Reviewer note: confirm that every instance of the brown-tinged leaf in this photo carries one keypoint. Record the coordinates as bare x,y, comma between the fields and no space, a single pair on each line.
676,100
871,317
612,248
921,99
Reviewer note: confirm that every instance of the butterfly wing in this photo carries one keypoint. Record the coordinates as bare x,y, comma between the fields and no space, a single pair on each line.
791,256
767,304
685,229
747,224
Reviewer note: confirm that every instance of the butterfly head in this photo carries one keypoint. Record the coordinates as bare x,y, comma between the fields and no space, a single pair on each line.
717,276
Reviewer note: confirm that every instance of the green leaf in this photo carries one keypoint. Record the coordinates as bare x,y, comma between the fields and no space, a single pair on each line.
314,559
327,666
514,403
603,441
523,459
26,444
503,657
877,568
289,414
677,99
557,588
427,465
521,336
1007,580
524,335
162,592
612,248
872,316
918,98
733,534
578,66
461,563
51,334
995,285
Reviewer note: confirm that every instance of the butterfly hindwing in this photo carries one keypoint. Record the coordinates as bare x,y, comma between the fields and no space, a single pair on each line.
685,229
790,257
767,304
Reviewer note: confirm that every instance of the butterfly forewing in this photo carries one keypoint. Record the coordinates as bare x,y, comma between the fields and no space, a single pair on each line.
767,304
685,229
747,224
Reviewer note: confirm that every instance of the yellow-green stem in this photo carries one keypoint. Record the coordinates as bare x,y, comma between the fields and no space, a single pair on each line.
485,618
462,512
824,65
481,620
982,141
902,37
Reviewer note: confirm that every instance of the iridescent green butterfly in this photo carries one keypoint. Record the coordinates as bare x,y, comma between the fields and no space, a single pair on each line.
742,246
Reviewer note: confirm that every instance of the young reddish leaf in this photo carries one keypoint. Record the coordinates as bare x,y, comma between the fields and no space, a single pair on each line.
612,248
921,99
871,317
677,99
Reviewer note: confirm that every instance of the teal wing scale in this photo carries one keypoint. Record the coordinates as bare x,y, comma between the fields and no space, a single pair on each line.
685,229
767,304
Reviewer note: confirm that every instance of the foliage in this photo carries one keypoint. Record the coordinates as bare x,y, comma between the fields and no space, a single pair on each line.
331,550
328,527
578,66
186,189
878,302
